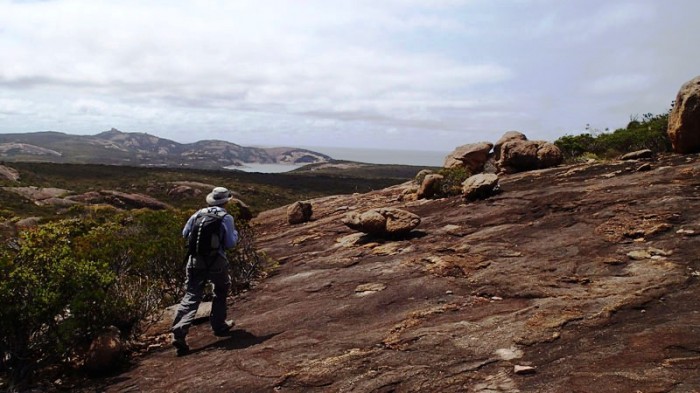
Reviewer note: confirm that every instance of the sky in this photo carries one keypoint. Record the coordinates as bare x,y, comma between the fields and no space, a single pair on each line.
386,74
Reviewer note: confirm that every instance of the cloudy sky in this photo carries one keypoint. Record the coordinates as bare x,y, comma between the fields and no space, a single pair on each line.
391,74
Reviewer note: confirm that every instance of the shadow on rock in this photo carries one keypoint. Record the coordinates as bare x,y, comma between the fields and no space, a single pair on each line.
237,339
382,238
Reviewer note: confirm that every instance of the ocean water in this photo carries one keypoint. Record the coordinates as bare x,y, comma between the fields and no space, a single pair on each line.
371,156
385,156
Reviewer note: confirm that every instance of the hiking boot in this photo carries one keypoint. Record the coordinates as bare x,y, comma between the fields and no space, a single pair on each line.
181,345
224,330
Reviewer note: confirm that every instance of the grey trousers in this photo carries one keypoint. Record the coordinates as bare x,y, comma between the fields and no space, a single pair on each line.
197,277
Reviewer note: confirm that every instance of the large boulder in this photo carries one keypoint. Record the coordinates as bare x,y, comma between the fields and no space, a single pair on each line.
524,155
299,212
684,120
507,137
430,186
472,156
382,221
480,186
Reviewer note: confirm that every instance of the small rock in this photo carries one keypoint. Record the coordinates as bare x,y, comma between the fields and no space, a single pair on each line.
448,292
686,232
638,255
369,288
299,212
644,168
496,298
523,370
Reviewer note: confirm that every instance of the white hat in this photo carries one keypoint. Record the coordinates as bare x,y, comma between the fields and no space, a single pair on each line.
218,196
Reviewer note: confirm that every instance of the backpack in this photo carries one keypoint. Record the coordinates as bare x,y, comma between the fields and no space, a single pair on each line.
204,238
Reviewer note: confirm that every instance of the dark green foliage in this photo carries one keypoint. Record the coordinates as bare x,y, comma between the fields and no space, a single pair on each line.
52,300
65,281
648,133
451,184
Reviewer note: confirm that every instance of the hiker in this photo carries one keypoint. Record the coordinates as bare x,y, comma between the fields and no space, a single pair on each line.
212,266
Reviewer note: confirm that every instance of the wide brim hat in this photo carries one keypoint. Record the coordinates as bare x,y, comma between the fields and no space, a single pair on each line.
219,196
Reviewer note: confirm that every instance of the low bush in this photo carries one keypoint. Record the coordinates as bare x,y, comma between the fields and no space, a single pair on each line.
63,282
648,133
453,178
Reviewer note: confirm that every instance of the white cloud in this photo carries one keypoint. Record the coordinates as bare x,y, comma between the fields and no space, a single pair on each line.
283,70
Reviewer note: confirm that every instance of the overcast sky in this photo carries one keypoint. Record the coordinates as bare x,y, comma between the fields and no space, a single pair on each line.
391,74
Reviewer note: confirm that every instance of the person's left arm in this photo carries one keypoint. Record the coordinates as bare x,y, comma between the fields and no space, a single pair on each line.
230,232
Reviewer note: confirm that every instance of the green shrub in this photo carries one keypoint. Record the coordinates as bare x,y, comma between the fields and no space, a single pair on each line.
648,133
453,178
52,301
63,282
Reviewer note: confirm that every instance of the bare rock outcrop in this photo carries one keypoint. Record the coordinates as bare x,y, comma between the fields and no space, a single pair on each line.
684,120
537,276
472,156
9,173
480,186
29,222
133,201
299,212
382,221
182,191
36,194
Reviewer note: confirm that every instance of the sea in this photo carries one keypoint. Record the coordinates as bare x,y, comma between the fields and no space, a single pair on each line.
426,158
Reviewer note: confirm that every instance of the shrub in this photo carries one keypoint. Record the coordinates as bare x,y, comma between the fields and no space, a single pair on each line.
453,178
648,133
63,282
246,262
52,301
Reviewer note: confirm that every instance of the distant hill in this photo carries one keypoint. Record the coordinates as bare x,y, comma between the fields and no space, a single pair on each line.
140,149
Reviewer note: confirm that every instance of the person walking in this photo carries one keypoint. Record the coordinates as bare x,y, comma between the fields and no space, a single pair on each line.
203,268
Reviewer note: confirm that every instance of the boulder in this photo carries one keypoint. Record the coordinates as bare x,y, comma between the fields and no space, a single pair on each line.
418,179
299,212
430,186
29,222
8,173
684,120
548,155
523,155
182,191
507,137
472,156
382,221
105,351
637,155
480,186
